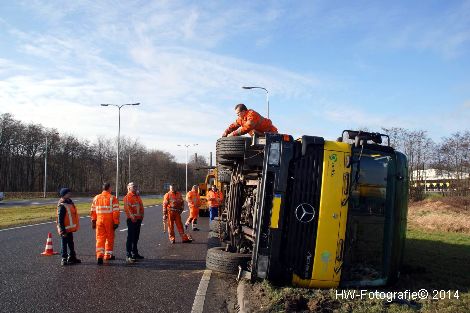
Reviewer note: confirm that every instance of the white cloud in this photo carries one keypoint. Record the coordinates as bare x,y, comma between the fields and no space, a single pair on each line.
163,55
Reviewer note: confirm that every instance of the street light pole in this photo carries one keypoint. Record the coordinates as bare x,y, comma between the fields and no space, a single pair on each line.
187,146
45,170
118,140
267,96
129,167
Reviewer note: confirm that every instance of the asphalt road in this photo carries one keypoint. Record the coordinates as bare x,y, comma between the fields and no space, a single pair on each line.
165,281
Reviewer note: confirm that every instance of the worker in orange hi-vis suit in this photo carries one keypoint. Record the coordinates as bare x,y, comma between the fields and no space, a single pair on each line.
249,122
194,202
134,209
105,219
173,206
215,198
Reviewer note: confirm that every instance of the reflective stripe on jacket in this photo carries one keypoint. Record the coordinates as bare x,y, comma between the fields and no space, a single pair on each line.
105,204
173,201
133,206
71,222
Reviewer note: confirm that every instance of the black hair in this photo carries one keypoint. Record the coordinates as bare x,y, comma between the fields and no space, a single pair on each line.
241,107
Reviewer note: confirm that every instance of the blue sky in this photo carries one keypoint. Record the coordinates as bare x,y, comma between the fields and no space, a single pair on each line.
328,66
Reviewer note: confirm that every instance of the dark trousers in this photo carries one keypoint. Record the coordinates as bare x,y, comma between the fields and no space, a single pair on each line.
133,233
67,240
213,212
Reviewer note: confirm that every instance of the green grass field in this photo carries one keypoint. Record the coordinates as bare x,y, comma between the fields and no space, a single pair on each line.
24,215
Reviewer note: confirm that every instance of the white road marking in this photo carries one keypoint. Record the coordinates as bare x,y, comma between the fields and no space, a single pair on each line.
123,229
35,203
18,227
198,304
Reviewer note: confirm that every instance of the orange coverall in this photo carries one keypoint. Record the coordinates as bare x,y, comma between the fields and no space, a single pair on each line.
194,202
173,206
215,200
105,213
133,206
252,122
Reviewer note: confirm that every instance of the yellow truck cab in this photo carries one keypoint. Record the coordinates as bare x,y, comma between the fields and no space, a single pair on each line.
312,212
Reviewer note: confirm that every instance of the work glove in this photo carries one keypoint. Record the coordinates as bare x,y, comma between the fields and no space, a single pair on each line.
230,135
115,226
93,224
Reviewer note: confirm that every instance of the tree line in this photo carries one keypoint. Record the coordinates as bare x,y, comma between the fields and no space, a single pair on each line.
450,158
82,165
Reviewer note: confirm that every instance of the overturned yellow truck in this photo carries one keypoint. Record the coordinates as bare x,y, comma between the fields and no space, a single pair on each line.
312,212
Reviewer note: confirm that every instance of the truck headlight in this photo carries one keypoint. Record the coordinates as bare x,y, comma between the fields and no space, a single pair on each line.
274,153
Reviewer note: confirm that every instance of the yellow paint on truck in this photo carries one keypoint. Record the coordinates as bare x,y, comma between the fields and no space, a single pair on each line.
332,220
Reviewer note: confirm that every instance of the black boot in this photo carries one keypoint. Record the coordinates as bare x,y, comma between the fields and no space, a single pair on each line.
100,261
64,262
137,256
73,260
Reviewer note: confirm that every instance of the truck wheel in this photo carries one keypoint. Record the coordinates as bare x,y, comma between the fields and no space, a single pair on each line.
231,147
224,176
219,260
224,162
216,224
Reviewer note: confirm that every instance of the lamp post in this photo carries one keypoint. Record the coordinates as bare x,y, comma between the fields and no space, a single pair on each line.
129,167
187,146
118,141
45,168
267,96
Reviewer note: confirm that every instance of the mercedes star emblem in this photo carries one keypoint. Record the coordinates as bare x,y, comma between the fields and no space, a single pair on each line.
305,213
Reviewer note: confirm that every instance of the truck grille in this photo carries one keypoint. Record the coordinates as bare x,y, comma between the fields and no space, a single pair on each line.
303,196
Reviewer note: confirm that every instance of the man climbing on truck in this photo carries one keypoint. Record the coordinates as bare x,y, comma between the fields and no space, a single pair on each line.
249,122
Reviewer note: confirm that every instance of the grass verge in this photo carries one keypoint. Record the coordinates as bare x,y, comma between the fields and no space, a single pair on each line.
24,215
433,261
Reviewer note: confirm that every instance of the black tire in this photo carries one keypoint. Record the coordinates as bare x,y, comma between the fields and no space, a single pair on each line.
231,147
219,260
224,176
217,225
213,234
224,162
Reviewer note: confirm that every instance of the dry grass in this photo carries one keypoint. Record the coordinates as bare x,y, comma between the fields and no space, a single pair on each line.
444,214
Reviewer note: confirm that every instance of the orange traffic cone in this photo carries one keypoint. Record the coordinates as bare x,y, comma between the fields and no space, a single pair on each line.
49,250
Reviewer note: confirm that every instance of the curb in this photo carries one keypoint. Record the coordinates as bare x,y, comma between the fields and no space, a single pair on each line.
243,303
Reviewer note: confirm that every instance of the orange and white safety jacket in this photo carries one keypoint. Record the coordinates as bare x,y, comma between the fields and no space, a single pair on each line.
133,206
215,199
105,205
194,201
252,122
173,201
71,221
